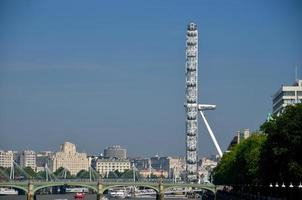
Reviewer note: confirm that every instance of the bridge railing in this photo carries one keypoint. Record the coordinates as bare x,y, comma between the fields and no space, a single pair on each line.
88,180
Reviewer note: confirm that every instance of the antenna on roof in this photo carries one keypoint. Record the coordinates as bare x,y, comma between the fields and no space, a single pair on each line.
296,73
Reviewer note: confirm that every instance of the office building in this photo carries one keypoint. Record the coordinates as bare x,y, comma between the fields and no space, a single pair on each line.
69,159
6,158
115,151
106,165
28,159
287,95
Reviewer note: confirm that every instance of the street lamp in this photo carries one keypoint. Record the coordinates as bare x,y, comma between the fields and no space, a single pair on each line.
283,190
291,185
271,189
276,185
299,186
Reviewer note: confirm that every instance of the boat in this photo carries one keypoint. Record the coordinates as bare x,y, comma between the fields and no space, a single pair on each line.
79,195
8,191
76,189
119,194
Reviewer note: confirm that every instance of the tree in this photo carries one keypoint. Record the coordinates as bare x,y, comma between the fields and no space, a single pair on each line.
63,173
224,173
281,160
18,172
241,164
271,157
41,175
118,174
30,172
112,175
3,174
84,174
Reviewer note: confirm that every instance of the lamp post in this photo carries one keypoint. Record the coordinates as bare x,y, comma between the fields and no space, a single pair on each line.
277,191
291,187
283,190
271,189
299,190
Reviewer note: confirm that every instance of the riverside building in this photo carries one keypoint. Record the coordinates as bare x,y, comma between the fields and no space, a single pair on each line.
69,159
28,159
106,165
172,165
287,95
6,158
239,137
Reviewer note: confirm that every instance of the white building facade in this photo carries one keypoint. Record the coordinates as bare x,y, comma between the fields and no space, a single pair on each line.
104,166
206,168
6,158
69,159
28,159
177,166
287,95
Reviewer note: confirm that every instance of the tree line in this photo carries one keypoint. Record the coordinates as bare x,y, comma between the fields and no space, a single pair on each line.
269,156
29,173
61,173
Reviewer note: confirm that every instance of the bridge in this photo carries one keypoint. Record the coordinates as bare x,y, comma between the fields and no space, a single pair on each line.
99,187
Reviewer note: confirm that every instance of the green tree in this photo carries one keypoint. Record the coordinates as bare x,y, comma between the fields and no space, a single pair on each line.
3,174
118,174
281,160
241,164
18,172
84,174
41,175
63,173
224,173
112,175
30,172
128,174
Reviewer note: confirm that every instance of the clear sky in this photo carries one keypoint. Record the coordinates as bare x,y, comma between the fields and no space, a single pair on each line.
99,73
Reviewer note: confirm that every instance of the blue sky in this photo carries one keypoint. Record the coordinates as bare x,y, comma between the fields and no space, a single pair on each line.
98,73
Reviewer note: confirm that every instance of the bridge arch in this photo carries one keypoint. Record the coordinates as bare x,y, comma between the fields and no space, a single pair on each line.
23,188
94,188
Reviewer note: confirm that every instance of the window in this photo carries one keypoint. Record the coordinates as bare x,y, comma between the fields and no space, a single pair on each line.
289,93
